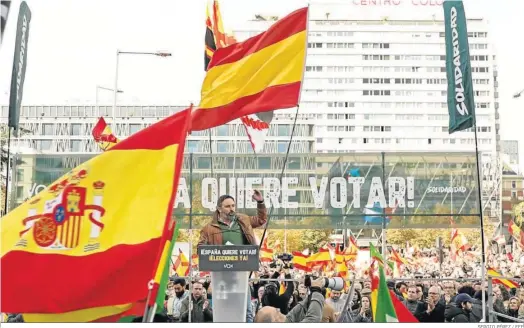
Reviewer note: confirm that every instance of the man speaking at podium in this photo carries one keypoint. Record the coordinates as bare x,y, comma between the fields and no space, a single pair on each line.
231,228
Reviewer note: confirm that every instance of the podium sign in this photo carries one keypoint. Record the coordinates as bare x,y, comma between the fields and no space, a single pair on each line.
228,258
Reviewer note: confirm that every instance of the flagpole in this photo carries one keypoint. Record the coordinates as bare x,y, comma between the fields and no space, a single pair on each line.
384,245
8,166
235,150
211,152
190,229
292,131
482,241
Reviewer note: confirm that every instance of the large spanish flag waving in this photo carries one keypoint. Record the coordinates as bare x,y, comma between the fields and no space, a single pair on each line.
100,227
257,75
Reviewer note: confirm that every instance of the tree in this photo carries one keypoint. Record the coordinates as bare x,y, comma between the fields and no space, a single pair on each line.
427,237
314,239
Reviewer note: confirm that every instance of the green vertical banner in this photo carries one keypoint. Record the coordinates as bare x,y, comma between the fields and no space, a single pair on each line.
461,102
19,66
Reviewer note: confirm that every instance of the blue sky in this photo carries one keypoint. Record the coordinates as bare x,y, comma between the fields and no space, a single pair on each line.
73,43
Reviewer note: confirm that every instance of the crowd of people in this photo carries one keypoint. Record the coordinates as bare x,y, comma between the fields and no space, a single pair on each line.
454,298
431,291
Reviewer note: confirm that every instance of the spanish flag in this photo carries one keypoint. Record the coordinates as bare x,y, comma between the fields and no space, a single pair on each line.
516,232
395,256
194,261
300,261
351,251
103,135
210,44
266,253
181,265
342,270
102,226
505,282
320,259
257,75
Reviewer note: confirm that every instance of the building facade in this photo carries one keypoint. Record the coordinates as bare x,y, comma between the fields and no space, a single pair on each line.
374,82
511,149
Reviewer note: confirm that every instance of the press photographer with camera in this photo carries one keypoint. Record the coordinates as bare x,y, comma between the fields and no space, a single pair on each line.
271,295
307,311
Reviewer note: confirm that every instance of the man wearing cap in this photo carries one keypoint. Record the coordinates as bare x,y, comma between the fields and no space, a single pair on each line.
460,311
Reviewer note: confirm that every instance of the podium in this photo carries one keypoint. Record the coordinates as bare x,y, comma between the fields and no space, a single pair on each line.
229,267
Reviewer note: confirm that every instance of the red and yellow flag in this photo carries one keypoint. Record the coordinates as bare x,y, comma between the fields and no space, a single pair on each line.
181,265
459,242
194,261
516,232
266,253
505,282
398,262
257,75
300,261
103,135
102,226
320,259
342,269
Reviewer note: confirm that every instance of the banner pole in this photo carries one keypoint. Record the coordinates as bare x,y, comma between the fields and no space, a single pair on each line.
235,150
384,245
482,239
8,167
191,230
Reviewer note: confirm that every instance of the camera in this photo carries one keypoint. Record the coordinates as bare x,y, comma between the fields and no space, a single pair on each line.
271,288
285,257
335,283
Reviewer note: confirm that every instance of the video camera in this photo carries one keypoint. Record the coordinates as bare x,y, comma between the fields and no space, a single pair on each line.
285,257
335,283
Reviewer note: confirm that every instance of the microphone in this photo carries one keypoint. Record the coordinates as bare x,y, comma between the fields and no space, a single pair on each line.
232,216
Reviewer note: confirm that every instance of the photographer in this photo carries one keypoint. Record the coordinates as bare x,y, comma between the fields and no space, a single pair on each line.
307,311
271,295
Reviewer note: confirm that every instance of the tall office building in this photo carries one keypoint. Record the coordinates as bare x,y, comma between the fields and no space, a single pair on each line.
375,80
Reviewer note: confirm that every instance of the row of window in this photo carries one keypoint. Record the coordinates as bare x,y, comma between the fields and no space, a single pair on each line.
351,45
192,146
397,117
319,92
340,80
382,22
403,141
414,69
419,57
94,111
227,147
378,104
382,128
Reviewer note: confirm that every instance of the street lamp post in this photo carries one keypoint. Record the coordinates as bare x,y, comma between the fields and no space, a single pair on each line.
96,97
115,89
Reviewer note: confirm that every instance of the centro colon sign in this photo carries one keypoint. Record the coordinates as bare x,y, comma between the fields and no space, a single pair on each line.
432,3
